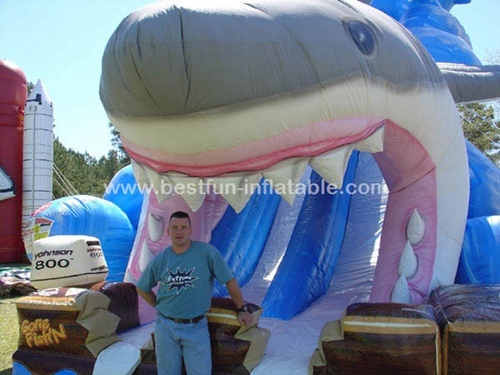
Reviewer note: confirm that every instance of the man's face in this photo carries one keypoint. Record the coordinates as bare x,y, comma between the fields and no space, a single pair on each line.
179,231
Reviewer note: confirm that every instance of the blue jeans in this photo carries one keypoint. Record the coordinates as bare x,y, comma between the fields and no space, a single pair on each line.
175,341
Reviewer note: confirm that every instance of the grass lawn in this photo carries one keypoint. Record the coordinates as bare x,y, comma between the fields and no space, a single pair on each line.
9,327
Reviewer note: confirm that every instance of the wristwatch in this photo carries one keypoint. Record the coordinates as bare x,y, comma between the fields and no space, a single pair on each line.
243,308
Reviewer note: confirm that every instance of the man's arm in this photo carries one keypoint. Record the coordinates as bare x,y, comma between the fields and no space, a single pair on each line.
149,297
234,290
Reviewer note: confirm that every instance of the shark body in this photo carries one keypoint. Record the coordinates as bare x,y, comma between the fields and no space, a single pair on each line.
230,93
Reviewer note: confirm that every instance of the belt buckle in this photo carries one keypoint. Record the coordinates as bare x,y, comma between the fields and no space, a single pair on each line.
196,319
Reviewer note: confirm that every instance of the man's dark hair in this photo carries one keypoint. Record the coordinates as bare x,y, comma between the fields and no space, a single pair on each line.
180,215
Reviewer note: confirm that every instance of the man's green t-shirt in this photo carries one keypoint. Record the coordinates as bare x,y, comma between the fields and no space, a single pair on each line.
186,280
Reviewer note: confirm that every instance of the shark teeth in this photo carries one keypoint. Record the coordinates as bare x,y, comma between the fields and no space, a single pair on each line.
408,264
191,189
372,144
146,256
156,227
415,229
237,188
331,165
401,291
140,174
286,174
158,182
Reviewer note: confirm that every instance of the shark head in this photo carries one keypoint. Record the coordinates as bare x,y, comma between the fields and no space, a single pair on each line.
219,93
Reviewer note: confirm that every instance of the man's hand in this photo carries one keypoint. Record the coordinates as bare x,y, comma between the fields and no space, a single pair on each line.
245,318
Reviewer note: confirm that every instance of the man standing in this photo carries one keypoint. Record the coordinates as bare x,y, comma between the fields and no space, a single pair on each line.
186,271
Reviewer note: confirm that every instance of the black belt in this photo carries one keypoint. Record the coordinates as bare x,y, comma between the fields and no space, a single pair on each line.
196,319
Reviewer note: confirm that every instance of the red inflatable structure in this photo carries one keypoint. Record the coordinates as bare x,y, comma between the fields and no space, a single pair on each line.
13,94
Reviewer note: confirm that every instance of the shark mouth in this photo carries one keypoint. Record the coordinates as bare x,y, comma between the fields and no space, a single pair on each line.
410,126
409,248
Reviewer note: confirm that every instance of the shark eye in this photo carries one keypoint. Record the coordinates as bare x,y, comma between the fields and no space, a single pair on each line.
362,36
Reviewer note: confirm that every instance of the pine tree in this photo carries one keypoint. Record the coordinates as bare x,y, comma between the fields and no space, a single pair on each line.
482,129
116,142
